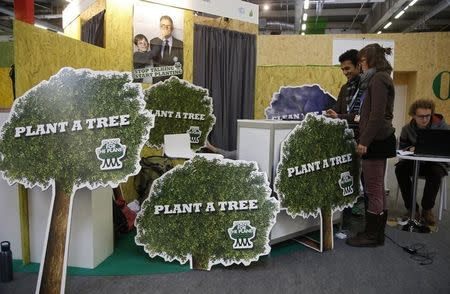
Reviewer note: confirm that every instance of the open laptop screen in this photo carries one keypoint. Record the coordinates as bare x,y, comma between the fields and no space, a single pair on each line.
432,142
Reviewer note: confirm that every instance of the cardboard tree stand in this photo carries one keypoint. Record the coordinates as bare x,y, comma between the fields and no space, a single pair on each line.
208,212
318,173
80,128
179,107
294,102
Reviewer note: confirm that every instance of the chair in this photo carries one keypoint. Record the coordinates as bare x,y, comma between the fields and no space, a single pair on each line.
442,195
179,146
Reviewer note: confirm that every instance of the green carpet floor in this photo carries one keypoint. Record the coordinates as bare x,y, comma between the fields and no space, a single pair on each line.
130,259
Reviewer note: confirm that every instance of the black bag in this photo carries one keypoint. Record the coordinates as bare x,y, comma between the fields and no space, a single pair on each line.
380,149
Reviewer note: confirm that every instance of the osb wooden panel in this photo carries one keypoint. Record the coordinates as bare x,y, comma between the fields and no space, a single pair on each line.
119,34
6,91
294,50
40,53
269,79
231,24
73,30
425,54
188,46
95,8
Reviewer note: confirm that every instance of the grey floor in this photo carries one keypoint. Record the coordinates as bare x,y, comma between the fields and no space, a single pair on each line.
386,269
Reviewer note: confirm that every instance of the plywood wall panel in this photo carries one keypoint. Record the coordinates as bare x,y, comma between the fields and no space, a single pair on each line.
40,54
269,79
6,91
230,24
119,35
188,46
424,54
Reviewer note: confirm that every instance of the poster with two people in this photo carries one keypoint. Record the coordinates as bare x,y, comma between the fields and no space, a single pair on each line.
158,42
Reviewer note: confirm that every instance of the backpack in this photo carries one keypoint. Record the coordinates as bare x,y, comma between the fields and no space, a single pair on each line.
152,168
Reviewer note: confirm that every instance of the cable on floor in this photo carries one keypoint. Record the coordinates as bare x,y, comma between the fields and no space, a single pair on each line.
417,252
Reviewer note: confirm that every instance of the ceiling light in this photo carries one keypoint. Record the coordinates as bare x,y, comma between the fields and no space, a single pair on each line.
305,16
379,32
40,26
399,14
306,4
266,6
304,27
387,25
303,33
412,2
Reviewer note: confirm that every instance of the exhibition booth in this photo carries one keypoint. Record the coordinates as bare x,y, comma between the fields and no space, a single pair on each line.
87,115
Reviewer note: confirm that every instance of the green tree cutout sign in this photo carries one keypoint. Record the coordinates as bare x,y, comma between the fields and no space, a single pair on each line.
180,107
80,128
208,212
318,172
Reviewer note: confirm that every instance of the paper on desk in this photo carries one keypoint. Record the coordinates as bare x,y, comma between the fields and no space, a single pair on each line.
404,152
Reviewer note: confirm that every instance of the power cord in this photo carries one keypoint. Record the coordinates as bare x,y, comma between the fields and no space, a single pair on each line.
417,252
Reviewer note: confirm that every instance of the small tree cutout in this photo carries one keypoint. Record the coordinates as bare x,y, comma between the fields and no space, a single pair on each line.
180,107
80,128
318,172
208,212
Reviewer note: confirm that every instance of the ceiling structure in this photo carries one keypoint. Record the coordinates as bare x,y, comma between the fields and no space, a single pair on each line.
47,13
352,16
286,16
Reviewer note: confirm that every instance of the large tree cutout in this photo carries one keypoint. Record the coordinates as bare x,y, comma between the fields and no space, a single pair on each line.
318,172
208,212
80,128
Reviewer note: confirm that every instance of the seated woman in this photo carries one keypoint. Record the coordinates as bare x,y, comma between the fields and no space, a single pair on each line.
423,117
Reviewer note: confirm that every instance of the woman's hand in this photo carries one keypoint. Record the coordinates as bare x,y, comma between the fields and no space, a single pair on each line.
361,149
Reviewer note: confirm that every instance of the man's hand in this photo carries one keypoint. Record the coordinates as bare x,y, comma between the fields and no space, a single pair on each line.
361,149
331,113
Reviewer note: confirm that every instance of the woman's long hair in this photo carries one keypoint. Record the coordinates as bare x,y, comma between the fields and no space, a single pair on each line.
375,56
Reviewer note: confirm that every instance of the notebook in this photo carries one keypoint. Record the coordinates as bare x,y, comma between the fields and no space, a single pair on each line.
434,143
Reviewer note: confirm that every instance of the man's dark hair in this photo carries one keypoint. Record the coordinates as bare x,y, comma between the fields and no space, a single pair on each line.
351,55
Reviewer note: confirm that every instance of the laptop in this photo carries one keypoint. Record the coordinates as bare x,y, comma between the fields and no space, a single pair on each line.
433,143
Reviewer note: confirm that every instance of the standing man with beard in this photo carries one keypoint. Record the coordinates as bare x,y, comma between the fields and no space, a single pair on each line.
348,102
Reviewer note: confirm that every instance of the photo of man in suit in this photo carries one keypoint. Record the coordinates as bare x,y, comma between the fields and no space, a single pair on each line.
170,49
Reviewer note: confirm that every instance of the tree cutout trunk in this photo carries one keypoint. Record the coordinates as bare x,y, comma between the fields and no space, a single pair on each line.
327,229
199,263
53,267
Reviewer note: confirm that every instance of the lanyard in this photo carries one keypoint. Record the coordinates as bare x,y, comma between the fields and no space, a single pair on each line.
352,103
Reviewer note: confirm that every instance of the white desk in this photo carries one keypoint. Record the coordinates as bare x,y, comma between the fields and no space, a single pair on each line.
417,160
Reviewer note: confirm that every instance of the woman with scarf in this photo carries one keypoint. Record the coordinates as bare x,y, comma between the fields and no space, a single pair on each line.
376,140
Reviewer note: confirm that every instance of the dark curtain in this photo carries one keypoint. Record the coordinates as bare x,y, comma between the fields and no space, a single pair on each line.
92,31
225,64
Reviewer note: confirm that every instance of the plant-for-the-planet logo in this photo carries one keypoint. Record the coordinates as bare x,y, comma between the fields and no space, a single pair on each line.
194,133
346,183
110,153
242,233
